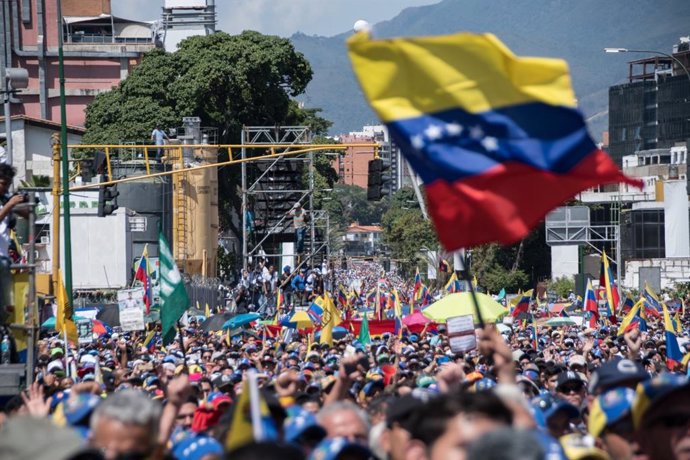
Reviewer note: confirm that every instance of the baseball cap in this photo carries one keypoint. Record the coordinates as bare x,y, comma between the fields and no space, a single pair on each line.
56,351
301,424
577,360
550,405
567,377
196,447
608,408
483,384
334,448
77,410
578,447
617,372
654,391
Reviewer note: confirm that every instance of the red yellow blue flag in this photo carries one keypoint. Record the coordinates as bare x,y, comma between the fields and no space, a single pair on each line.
673,354
486,130
608,282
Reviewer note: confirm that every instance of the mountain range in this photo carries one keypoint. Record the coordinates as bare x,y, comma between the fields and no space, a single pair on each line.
575,30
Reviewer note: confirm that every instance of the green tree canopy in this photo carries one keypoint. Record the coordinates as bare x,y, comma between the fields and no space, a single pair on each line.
229,81
406,232
226,80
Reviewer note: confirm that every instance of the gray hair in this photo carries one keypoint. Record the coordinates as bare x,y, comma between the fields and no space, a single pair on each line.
506,444
344,405
130,407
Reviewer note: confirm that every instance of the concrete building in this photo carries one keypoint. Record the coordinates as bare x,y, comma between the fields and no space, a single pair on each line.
185,18
99,51
353,168
31,145
652,110
362,240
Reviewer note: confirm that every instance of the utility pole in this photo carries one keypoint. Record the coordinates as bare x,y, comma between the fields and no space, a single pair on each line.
65,161
55,238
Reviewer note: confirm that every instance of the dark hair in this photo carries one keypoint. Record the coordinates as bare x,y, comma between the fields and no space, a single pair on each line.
429,421
487,404
7,172
265,451
556,369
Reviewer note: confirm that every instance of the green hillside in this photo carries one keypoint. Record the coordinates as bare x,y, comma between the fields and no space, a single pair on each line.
576,30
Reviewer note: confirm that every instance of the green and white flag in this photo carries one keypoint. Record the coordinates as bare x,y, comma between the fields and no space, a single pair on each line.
174,299
364,337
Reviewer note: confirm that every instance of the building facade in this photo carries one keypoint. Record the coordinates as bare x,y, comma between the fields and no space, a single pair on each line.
652,110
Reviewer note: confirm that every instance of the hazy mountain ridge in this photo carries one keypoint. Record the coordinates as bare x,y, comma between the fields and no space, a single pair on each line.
575,30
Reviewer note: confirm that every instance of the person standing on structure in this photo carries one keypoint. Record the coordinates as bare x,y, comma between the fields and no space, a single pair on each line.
159,137
299,221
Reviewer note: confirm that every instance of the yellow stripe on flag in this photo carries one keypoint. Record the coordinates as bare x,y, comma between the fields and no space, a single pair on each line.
451,71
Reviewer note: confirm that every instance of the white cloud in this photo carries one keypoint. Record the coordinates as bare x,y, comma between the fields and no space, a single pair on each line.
283,17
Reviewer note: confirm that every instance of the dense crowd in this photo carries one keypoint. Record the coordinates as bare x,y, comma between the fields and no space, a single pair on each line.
525,393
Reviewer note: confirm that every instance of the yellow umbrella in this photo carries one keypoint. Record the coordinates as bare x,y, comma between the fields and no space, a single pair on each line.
302,320
460,304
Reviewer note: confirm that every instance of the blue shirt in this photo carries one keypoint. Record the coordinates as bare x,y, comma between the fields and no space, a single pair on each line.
158,136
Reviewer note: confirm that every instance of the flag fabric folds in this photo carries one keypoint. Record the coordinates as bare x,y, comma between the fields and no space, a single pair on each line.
315,310
673,354
522,306
251,418
342,296
330,319
174,299
591,306
651,298
64,322
486,130
143,275
608,282
631,319
364,338
417,285
453,285
150,340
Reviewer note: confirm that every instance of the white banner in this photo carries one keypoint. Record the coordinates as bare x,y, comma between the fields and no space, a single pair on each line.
131,303
461,333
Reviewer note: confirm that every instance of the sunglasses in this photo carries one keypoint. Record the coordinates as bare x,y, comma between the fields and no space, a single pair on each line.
574,388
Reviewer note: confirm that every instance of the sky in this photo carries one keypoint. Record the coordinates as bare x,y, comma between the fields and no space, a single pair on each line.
282,17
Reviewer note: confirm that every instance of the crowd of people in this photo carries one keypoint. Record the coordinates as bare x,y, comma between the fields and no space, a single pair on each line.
539,392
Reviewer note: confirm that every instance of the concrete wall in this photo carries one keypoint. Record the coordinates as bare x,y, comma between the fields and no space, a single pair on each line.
672,271
564,261
31,149
101,249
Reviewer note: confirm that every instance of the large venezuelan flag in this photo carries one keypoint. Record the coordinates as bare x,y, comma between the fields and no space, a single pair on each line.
496,138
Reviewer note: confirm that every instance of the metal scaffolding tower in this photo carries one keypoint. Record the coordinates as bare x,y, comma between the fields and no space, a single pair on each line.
271,187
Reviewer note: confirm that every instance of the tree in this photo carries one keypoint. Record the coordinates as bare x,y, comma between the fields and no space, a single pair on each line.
228,81
562,286
406,232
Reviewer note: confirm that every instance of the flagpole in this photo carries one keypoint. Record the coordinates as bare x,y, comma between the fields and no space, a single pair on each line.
255,406
184,352
466,276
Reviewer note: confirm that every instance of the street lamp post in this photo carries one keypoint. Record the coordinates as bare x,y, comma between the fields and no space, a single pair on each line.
658,53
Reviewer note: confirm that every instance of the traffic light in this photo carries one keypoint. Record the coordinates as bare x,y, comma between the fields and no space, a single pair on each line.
107,200
379,179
